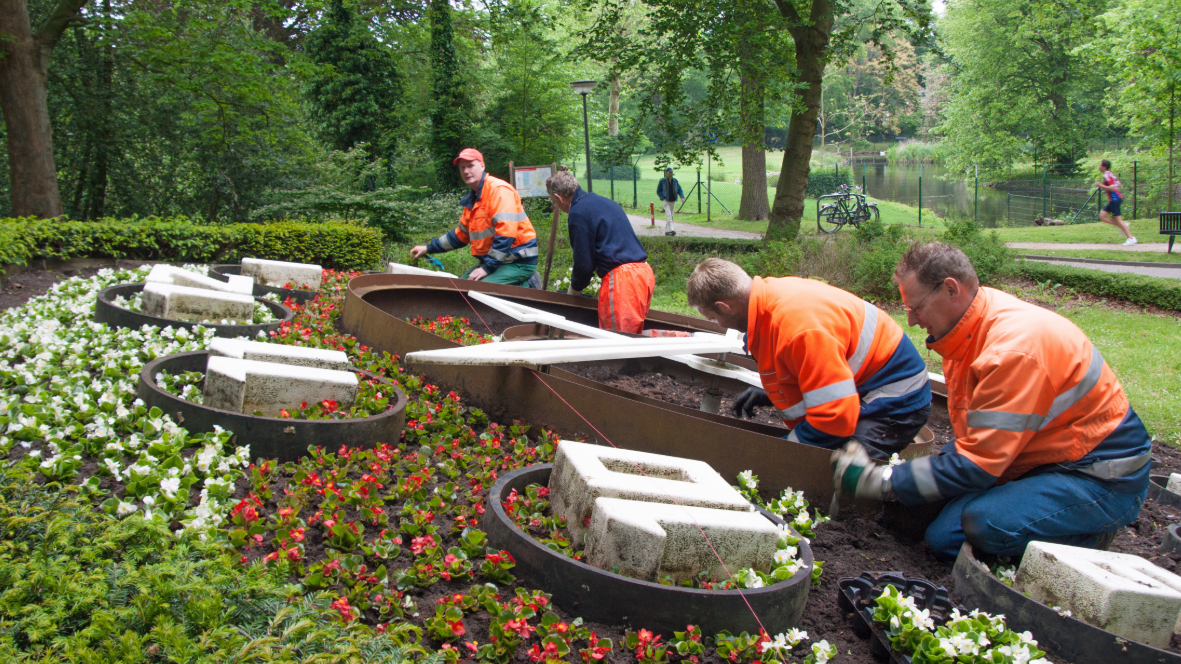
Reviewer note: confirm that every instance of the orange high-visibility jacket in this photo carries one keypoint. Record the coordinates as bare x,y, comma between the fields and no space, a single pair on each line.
1026,390
826,357
495,225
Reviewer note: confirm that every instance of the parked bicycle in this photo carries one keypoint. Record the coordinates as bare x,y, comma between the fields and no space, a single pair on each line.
847,206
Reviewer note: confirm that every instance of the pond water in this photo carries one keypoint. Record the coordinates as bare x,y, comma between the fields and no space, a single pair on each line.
948,196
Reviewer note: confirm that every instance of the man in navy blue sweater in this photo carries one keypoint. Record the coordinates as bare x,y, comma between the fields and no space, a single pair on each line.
603,241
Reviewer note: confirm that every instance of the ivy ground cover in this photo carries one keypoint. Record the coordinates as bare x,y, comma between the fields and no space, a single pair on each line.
381,545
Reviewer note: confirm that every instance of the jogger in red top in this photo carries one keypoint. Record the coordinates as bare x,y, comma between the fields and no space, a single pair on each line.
1110,214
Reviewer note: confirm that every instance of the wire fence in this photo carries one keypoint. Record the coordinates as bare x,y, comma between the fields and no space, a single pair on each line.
922,201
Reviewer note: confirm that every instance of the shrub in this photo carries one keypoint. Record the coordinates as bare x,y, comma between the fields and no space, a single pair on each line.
333,245
624,172
76,585
1134,288
825,182
987,251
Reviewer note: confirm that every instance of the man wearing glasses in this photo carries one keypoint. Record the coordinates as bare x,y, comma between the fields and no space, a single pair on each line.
1047,447
834,366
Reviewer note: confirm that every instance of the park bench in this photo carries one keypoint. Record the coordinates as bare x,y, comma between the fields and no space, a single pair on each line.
1170,224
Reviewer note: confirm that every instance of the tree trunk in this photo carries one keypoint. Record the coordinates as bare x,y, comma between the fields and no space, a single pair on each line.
811,42
24,100
753,206
613,106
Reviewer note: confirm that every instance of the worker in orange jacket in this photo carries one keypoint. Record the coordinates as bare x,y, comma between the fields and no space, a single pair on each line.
834,366
495,225
1047,447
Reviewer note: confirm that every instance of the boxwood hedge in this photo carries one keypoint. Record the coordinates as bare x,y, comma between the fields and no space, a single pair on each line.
1134,288
176,239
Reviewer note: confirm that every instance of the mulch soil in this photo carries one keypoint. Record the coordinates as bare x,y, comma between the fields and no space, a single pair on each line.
22,287
889,540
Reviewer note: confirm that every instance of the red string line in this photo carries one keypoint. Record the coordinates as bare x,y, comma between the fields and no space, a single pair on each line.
469,303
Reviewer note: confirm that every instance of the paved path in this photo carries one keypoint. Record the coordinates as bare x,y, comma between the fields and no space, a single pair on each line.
642,227
1160,247
1167,270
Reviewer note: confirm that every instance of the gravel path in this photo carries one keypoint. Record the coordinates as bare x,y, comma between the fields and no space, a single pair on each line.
1159,247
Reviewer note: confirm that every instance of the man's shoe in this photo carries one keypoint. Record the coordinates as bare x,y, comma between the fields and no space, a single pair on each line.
1105,541
1129,242
670,233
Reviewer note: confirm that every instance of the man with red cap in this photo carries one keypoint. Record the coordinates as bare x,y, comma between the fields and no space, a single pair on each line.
495,225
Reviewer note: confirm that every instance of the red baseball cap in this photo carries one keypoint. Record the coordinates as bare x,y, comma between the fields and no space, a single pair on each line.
469,154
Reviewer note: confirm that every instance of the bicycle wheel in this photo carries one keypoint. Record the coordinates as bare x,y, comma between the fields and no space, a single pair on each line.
830,219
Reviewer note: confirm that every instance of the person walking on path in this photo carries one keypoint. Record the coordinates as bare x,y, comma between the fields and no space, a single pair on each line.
1046,447
603,241
668,190
1110,214
494,223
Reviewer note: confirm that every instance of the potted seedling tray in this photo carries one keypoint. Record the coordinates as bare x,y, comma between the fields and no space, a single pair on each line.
605,597
301,297
1066,637
858,596
271,437
106,311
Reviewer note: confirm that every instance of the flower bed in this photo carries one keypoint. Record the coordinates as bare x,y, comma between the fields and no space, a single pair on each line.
388,533
454,329
372,398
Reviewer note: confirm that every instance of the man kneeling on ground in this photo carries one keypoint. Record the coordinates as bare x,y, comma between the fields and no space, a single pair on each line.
835,366
1046,446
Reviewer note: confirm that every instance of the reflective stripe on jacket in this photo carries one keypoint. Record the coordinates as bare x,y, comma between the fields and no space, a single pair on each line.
1027,391
496,226
826,357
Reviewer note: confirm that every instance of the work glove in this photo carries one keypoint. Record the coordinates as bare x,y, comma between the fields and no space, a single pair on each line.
854,473
748,400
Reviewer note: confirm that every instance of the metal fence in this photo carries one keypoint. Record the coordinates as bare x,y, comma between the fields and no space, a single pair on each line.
924,200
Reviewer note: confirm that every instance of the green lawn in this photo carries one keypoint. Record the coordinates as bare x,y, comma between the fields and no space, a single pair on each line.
1145,230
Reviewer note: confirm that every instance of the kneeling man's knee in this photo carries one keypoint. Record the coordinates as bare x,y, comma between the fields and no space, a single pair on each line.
944,537
982,531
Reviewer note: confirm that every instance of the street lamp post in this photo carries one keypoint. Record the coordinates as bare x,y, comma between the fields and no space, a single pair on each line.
583,87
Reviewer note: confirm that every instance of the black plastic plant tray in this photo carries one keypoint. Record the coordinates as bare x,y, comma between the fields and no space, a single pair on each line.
858,596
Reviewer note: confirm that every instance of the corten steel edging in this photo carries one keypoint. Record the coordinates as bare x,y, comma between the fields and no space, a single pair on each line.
222,272
106,311
270,437
601,596
625,419
1070,639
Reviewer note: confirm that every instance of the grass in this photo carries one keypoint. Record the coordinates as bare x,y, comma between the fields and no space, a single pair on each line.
1146,230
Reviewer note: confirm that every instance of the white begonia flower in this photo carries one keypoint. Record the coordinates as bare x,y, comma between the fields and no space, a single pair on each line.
149,501
823,651
170,486
124,509
747,480
785,556
795,635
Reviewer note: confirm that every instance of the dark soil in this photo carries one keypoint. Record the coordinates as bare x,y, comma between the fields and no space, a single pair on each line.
667,389
22,287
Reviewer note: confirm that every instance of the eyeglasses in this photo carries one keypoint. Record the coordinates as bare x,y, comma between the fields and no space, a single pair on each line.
911,310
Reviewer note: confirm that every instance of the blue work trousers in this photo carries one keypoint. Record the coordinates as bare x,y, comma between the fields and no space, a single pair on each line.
1050,507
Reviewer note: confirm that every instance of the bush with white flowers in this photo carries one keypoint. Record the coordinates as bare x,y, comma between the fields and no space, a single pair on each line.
592,288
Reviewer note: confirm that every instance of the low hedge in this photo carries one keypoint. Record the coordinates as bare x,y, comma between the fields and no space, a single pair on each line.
1134,288
339,246
709,245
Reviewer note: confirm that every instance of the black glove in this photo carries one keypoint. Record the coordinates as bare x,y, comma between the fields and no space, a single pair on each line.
748,400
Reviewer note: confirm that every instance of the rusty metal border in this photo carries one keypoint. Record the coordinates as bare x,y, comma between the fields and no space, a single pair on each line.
628,420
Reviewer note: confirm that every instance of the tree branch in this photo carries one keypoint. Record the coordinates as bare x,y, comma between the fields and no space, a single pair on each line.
65,13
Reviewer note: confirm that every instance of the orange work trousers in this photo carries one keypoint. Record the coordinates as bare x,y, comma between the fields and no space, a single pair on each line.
625,296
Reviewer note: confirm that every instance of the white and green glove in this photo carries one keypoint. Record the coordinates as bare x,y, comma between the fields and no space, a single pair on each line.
856,474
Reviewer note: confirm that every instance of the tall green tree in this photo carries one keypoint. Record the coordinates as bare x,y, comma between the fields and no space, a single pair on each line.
27,42
820,31
1020,88
451,113
356,91
1142,57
